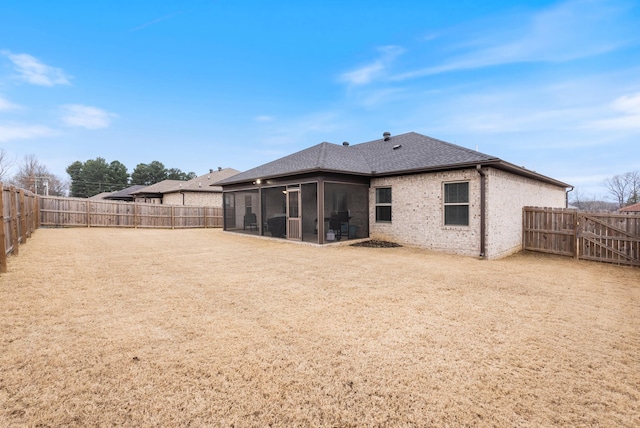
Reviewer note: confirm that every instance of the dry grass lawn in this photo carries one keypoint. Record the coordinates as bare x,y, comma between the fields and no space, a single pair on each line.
104,327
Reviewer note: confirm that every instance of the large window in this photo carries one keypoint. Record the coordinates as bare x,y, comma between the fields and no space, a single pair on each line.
383,204
456,204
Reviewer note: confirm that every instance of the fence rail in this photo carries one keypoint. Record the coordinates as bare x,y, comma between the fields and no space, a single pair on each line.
19,209
612,238
77,212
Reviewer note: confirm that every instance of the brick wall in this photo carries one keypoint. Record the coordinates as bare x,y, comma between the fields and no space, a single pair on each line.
197,199
507,194
418,211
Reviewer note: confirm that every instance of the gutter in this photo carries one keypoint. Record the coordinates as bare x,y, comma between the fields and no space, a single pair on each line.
483,179
566,197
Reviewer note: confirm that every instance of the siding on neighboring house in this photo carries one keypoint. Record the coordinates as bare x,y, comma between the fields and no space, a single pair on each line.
198,199
146,200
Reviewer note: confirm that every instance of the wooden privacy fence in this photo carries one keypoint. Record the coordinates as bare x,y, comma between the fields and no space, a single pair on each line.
19,209
612,238
77,212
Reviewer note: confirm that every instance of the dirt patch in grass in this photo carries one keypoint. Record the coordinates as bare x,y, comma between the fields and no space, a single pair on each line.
199,327
373,243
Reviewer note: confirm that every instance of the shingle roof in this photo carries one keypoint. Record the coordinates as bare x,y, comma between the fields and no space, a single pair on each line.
631,208
413,151
205,182
125,193
405,153
159,187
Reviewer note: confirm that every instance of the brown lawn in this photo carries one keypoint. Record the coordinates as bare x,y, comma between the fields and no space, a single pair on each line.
104,327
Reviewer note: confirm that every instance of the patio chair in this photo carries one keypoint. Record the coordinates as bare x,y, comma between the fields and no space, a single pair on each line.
250,221
336,223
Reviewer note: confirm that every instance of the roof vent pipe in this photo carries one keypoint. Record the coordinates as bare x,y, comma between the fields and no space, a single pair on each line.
387,136
346,144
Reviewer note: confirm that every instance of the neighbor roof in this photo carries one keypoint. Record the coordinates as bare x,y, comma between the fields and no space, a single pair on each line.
159,187
125,193
101,195
401,154
205,182
631,208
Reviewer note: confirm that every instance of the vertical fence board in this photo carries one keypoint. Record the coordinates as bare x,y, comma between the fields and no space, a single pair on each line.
76,212
549,230
22,218
3,233
15,236
17,221
611,238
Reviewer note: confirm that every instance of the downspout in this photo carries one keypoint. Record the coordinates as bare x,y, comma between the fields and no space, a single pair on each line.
566,197
483,214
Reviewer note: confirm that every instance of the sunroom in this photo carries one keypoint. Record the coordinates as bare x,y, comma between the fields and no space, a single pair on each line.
314,208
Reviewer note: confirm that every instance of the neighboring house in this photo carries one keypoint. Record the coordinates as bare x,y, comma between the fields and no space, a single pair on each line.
199,191
153,194
634,209
124,194
102,195
410,189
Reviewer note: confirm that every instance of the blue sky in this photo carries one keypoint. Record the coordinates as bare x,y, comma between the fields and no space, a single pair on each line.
196,84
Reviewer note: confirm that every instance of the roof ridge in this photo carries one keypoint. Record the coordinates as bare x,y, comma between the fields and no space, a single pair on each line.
322,156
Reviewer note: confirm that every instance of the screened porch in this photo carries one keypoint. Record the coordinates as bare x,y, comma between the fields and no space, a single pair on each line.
316,210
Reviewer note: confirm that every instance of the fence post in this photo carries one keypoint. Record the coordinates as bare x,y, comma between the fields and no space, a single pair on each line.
14,220
3,236
88,214
135,215
173,219
23,216
36,212
576,234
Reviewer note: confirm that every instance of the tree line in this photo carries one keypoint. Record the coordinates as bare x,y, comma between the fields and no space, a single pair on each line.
623,190
96,176
87,178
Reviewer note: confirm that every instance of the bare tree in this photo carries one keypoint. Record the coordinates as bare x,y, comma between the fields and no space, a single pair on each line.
5,163
588,203
624,188
34,176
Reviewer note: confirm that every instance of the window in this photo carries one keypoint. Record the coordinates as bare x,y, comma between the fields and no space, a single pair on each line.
456,204
383,205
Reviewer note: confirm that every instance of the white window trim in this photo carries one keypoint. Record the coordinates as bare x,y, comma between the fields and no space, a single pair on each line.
382,204
450,204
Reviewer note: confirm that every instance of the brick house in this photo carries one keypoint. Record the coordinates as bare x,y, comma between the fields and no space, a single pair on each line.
199,191
410,189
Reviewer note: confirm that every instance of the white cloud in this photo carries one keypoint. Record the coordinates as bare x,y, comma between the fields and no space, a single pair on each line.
629,104
34,72
24,132
370,72
629,107
6,105
78,115
563,32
